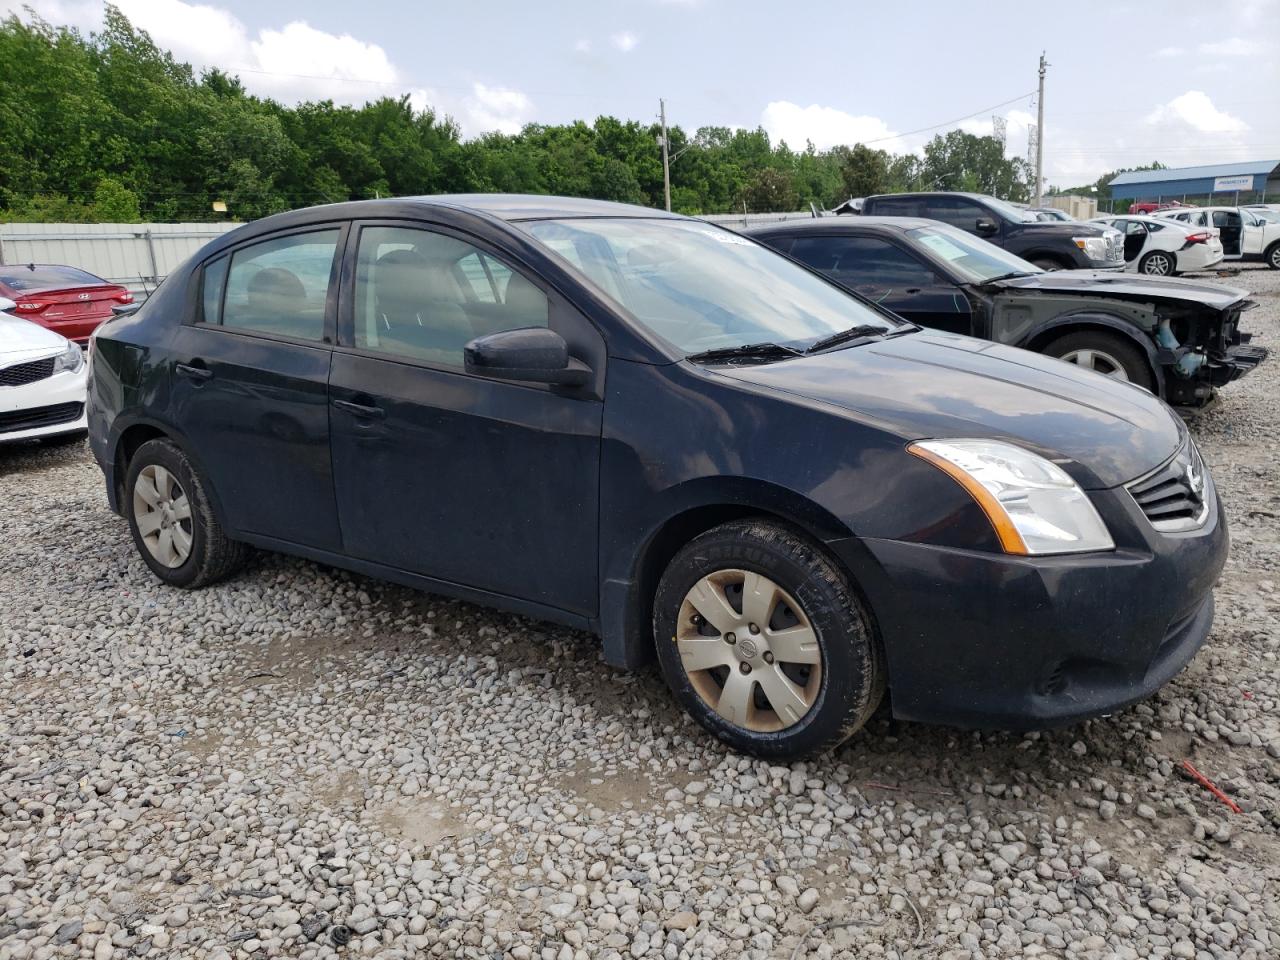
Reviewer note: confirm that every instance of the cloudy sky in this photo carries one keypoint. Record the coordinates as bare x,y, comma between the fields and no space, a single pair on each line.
1128,83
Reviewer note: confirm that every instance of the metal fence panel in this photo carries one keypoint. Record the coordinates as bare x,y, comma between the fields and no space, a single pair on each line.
136,255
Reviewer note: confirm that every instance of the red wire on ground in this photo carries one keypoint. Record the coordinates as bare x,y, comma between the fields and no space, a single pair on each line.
1209,785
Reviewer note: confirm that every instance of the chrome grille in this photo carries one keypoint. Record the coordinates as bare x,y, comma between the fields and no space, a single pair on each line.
23,373
1174,496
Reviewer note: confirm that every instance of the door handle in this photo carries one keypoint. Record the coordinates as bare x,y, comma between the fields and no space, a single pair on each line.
912,290
361,409
193,372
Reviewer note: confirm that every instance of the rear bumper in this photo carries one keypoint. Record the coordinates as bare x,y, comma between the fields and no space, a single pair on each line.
984,640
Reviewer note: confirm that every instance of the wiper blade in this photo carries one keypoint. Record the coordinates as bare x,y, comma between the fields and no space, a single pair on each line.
844,336
754,351
1008,276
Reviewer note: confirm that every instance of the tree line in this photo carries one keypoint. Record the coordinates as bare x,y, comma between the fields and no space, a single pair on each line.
108,127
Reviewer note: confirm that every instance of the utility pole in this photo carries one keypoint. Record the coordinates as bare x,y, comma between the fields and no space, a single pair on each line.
1040,135
666,157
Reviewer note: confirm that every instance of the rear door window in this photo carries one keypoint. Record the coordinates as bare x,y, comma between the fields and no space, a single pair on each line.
898,207
863,261
280,286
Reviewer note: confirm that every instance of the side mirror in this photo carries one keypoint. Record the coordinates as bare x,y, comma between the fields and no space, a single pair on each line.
530,354
124,309
985,226
6,305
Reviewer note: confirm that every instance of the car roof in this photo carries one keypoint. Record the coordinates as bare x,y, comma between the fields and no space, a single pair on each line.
935,193
845,222
530,206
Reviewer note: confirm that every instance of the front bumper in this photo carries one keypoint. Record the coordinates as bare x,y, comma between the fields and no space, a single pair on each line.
44,408
988,640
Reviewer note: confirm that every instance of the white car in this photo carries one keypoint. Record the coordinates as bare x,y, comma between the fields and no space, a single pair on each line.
1245,234
1163,248
42,383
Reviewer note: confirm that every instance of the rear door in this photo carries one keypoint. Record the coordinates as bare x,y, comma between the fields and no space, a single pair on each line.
489,484
1253,234
250,384
889,274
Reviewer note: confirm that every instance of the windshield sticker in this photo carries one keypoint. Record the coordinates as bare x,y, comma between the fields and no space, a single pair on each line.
943,247
723,236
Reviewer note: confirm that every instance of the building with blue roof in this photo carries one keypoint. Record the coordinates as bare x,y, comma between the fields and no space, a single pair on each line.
1216,183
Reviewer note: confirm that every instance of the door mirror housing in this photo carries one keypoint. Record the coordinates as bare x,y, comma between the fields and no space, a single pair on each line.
529,354
6,305
985,226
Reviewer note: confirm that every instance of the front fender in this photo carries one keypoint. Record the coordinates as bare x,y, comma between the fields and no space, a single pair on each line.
1042,333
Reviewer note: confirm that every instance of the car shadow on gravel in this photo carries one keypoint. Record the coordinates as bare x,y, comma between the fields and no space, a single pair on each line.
34,456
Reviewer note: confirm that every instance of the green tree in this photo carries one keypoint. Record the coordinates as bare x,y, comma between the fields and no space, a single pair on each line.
113,202
865,171
770,191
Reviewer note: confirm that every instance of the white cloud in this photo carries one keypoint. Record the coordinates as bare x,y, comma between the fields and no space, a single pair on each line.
292,62
825,126
1232,47
1194,111
625,41
1170,52
495,108
582,46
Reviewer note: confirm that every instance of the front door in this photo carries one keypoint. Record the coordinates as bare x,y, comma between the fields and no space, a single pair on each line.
890,275
489,484
249,382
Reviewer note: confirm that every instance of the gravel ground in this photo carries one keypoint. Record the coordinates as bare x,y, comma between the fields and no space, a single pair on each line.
307,763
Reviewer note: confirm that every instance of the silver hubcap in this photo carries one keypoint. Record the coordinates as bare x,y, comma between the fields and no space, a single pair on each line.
1098,361
163,515
749,651
1158,264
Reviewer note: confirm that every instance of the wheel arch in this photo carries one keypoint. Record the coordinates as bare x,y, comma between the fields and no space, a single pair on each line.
1053,255
626,598
127,443
1051,330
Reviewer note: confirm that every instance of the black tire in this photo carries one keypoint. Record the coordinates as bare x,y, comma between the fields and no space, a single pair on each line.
213,556
1272,256
1156,257
1046,263
65,439
1125,352
852,674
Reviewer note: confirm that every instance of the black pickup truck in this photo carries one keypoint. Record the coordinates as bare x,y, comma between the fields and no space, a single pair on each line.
1050,246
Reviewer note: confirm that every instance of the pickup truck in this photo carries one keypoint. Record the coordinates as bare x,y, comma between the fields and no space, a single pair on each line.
1050,246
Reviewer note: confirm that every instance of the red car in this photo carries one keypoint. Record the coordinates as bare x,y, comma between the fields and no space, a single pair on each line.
1151,206
65,299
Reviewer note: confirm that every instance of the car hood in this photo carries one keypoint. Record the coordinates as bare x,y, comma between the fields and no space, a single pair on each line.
21,338
933,385
1127,286
1063,228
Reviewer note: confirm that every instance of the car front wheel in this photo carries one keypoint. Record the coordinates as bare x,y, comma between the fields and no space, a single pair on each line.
1107,353
763,641
172,521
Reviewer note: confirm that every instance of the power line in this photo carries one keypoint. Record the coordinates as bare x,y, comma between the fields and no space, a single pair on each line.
947,123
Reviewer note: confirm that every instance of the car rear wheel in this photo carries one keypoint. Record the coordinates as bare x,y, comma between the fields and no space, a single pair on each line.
763,641
1107,353
172,522
1158,263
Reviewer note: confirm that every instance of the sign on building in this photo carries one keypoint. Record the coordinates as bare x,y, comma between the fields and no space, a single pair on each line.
1242,182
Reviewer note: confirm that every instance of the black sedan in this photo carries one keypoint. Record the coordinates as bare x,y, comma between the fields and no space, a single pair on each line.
1178,338
650,427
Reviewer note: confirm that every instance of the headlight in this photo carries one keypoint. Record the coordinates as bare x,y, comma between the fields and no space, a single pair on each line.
1095,248
70,359
1034,506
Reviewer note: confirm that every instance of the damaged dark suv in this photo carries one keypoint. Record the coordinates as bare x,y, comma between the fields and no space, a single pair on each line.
1178,338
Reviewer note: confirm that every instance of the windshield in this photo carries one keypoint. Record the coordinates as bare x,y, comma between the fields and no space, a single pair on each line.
1009,211
976,260
703,288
